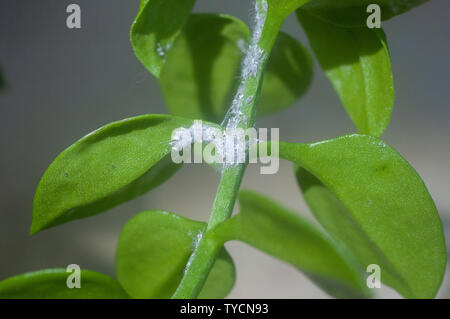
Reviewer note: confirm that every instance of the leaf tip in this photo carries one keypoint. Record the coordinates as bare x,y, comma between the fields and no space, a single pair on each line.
35,228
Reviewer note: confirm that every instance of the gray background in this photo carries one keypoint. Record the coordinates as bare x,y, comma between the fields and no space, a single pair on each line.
65,83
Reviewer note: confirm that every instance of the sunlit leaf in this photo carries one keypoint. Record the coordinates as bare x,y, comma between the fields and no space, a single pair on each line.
156,26
368,197
111,165
357,62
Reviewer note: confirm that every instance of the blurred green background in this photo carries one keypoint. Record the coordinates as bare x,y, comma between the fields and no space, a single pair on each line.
62,84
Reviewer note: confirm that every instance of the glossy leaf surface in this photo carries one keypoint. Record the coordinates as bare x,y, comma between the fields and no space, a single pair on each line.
368,197
357,62
156,26
52,284
153,251
107,167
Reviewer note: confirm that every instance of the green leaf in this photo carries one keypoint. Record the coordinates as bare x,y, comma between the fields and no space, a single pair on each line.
153,251
356,60
283,234
202,66
367,196
287,77
52,284
221,278
354,12
156,26
202,69
109,166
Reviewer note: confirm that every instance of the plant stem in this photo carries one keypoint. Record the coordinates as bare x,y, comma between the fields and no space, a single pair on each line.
240,115
226,195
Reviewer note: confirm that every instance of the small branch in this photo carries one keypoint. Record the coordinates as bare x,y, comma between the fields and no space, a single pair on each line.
240,115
